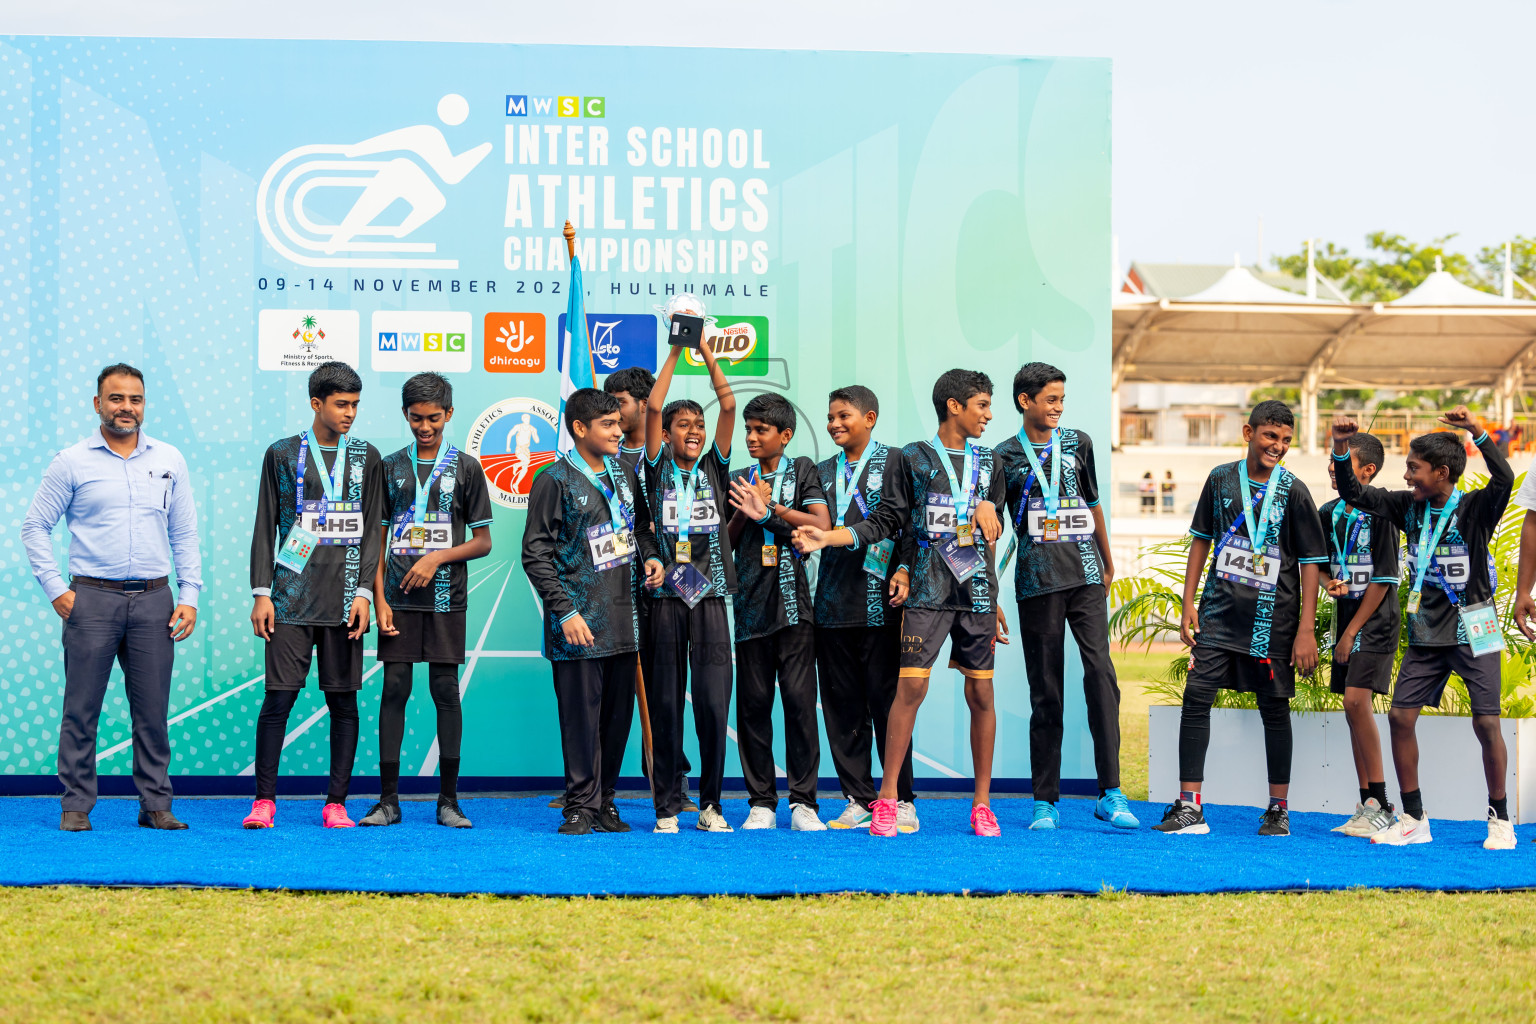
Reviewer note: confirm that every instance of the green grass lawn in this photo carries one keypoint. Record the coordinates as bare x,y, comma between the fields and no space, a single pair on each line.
160,955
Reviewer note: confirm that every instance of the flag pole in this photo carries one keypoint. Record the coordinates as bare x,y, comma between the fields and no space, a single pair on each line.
640,699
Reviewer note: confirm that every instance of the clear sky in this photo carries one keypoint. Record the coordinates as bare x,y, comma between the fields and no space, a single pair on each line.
1329,119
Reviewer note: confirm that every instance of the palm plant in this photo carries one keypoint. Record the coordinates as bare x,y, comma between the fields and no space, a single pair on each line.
1148,608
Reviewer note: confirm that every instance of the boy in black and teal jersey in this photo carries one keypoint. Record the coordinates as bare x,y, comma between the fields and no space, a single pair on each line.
689,639
859,593
1254,628
587,539
1453,625
632,387
1363,578
775,636
1062,579
953,490
313,559
437,518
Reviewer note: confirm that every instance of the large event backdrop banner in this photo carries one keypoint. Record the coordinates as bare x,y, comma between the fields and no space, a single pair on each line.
226,214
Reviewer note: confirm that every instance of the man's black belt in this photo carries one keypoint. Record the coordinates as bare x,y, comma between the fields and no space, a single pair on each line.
126,586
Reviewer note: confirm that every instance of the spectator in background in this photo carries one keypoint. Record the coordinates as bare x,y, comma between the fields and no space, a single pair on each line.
1167,487
1148,494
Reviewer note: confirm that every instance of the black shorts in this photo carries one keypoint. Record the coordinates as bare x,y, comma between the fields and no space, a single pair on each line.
1425,671
435,638
292,648
1229,670
1365,670
924,630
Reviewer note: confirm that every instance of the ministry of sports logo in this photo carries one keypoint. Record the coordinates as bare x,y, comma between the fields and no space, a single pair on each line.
513,440
302,339
321,205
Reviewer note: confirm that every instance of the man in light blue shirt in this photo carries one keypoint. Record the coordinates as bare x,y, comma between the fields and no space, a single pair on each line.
127,502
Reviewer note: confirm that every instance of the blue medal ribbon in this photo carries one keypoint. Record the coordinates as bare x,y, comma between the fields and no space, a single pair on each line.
619,513
1353,524
1428,541
970,470
847,473
329,483
417,513
1050,489
1258,532
683,497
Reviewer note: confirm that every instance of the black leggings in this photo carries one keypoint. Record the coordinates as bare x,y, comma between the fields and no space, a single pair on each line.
272,726
443,681
1195,734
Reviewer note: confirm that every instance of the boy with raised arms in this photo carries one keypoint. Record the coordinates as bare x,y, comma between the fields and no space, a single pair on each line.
688,492
434,495
953,489
1453,625
859,593
1363,577
588,535
1061,579
775,636
1254,628
314,556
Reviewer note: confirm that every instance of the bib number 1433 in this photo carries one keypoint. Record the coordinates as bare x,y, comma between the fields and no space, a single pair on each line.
1235,564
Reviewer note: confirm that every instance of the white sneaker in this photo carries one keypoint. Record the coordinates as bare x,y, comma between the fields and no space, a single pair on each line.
1405,831
1501,833
803,819
711,820
906,816
855,815
758,817
667,825
1371,819
1352,822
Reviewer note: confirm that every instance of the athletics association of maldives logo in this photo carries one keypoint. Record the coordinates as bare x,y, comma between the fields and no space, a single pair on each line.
513,440
325,205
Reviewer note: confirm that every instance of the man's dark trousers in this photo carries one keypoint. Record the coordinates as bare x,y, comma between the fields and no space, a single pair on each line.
132,629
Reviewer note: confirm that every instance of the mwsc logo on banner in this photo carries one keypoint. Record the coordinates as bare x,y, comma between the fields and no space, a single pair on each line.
410,341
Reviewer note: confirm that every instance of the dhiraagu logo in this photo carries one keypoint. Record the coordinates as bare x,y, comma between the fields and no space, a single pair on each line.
740,344
409,341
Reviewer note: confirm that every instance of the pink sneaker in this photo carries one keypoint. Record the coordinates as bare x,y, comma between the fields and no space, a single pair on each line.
882,818
262,814
983,822
335,816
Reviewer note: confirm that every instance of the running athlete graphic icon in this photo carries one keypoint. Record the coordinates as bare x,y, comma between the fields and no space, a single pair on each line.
521,438
305,180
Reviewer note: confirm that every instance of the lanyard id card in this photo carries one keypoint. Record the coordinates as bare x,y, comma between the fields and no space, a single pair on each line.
1484,634
609,547
297,548
877,558
963,561
687,583
433,533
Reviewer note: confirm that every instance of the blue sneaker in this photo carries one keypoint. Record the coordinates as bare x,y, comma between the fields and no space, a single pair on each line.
1114,808
1046,816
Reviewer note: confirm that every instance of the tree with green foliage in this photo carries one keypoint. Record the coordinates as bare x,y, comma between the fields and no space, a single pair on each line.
1392,267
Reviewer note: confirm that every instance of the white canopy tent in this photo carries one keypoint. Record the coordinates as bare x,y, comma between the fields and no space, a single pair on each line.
1243,331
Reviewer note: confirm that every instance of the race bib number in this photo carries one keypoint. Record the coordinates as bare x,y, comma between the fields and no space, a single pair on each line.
1235,564
1357,574
1453,561
343,522
706,515
1074,521
940,516
609,548
435,533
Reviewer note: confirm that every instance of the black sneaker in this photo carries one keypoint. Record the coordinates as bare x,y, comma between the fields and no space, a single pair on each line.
448,814
689,807
1182,819
577,822
385,812
1276,822
608,819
